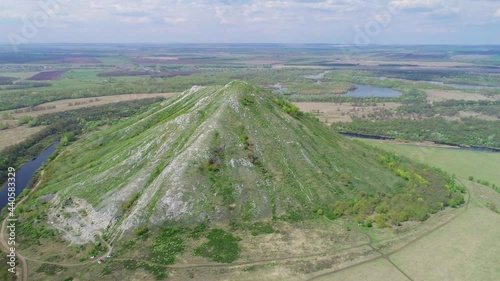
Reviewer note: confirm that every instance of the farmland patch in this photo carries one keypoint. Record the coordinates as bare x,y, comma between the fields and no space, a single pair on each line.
48,75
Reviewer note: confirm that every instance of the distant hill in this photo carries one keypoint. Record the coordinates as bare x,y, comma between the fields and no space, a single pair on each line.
227,154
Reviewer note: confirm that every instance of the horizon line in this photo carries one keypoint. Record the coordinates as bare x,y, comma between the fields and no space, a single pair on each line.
251,43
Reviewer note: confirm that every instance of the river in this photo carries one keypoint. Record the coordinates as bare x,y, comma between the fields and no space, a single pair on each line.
462,86
445,146
25,174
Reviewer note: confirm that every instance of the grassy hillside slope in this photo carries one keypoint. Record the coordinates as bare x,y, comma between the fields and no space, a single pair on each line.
226,154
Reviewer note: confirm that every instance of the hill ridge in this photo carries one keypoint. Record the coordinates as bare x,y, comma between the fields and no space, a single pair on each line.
212,154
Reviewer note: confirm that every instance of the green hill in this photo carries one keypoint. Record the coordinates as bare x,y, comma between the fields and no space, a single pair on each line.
226,154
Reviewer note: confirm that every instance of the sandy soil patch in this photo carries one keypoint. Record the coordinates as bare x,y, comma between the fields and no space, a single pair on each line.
16,135
293,240
442,95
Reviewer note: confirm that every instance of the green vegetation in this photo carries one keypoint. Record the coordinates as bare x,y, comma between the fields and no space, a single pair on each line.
222,247
131,201
97,249
81,85
50,269
260,228
462,163
159,272
479,132
4,270
452,108
4,126
414,201
196,232
243,170
142,231
429,125
246,156
167,245
486,183
65,126
289,108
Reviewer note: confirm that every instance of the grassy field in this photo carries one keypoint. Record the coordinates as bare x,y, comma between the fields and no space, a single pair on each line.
466,249
463,163
463,249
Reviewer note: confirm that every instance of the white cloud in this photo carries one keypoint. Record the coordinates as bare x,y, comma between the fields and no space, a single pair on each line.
416,4
255,20
9,14
136,20
175,20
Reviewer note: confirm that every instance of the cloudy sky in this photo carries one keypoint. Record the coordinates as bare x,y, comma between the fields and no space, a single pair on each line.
245,21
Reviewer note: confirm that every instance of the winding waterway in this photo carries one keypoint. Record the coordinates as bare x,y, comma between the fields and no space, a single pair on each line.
25,174
445,146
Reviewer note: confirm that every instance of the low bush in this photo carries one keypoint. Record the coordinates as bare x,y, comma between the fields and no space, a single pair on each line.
221,247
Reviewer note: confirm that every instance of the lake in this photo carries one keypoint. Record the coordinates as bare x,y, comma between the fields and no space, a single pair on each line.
364,91
26,173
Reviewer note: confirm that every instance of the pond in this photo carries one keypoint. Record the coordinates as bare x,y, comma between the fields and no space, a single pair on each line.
364,91
26,173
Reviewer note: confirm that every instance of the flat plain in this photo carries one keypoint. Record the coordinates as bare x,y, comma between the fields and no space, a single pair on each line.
462,163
